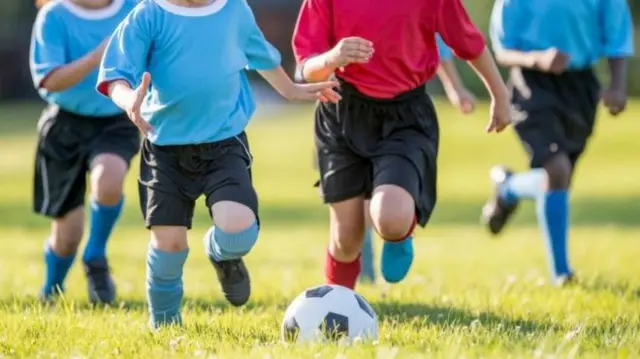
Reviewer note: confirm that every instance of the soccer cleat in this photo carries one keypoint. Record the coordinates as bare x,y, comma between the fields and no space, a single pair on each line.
99,282
397,258
234,280
498,210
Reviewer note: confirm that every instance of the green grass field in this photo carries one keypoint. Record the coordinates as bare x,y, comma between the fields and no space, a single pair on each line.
468,295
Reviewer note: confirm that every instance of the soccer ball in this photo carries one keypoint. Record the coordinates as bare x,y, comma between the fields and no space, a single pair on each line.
329,313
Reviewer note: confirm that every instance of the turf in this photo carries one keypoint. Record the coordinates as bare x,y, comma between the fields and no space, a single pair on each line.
468,295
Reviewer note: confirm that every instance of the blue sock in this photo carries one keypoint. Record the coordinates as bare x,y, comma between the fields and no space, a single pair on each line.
164,285
102,220
525,185
223,246
57,269
553,215
367,262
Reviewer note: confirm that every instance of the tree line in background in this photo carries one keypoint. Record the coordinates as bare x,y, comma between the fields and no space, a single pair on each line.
276,17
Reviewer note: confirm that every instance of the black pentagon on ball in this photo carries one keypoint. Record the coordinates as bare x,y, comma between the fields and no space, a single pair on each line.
335,326
318,292
290,329
364,305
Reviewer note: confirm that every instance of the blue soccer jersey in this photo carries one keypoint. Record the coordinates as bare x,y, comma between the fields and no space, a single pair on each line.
586,30
444,51
64,32
197,59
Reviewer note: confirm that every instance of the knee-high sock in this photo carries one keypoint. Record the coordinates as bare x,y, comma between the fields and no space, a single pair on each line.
102,220
524,185
553,217
164,285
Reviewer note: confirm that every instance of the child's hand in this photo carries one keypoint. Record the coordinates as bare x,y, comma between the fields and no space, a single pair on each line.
323,91
133,109
463,99
350,50
552,61
500,115
615,100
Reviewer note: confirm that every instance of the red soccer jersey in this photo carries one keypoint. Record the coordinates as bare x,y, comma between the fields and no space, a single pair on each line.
403,36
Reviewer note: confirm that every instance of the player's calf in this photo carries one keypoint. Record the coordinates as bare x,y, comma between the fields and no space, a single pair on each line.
60,251
233,236
342,261
394,217
553,214
107,177
166,257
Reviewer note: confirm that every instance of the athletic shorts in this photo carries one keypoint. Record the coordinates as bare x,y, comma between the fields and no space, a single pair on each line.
553,113
363,143
67,143
172,178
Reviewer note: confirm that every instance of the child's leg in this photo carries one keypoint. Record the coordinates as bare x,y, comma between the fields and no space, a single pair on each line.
166,257
552,208
233,203
60,250
107,176
167,200
367,259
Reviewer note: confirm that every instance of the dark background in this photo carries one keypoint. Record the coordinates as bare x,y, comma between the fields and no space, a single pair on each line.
276,18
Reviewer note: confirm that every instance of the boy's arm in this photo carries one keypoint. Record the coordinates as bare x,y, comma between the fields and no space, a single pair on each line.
616,24
48,60
459,33
280,81
455,90
313,44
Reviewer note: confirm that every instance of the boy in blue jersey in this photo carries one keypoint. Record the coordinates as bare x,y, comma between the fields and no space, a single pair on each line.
191,57
460,97
551,47
79,132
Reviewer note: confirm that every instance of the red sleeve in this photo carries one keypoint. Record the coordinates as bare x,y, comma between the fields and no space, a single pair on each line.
313,34
458,32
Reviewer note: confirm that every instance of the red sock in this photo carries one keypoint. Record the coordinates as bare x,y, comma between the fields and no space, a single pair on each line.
344,274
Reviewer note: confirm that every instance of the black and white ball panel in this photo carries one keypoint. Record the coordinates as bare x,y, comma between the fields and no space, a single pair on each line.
329,312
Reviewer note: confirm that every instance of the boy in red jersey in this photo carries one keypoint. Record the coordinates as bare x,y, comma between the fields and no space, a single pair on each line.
381,141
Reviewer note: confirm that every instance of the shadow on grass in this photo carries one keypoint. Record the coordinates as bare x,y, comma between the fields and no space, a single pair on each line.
423,314
620,212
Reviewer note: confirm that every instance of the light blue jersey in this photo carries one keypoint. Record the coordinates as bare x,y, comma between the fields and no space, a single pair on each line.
586,30
64,32
444,51
197,59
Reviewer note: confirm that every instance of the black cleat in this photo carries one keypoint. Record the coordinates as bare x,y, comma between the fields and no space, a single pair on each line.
497,211
234,279
101,288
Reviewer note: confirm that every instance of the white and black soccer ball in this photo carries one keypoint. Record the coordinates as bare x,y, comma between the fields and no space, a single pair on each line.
329,313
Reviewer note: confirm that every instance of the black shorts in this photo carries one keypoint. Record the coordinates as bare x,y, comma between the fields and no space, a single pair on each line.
553,113
67,143
172,178
363,143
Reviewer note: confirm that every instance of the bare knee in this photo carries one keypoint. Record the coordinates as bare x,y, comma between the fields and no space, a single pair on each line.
107,177
232,217
392,211
169,238
559,170
66,232
347,229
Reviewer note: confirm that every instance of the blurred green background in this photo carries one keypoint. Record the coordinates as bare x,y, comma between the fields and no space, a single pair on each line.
276,17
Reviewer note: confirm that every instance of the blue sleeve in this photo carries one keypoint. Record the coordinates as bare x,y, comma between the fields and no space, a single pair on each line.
505,24
48,46
443,50
617,28
125,57
260,53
